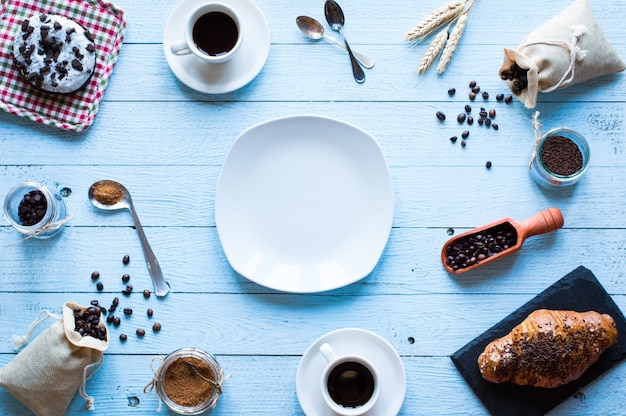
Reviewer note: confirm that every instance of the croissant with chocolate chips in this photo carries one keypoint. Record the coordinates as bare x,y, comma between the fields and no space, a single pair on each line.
549,348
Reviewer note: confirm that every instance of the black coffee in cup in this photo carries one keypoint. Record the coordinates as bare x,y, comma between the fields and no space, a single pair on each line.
215,33
350,384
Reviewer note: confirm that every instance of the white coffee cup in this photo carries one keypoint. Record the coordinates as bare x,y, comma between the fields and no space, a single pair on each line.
213,33
349,383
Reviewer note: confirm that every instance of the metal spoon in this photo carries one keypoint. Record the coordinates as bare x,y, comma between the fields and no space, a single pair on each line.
335,18
314,30
160,285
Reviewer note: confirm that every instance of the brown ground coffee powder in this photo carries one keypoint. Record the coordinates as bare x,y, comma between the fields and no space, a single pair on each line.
183,386
561,155
108,194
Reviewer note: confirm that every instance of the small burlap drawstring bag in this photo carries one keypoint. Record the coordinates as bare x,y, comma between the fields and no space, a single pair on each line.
46,374
566,50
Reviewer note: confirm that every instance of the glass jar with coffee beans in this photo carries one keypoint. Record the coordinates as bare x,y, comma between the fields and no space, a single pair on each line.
34,210
559,158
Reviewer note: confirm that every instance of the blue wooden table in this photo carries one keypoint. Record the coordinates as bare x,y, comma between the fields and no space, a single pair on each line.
167,143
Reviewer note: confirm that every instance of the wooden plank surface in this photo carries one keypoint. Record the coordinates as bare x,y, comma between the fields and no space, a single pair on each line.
167,144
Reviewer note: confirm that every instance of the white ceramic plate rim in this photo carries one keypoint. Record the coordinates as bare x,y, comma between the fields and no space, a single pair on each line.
231,75
355,341
304,204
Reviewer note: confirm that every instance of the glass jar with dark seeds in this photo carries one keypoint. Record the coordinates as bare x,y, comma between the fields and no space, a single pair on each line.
34,210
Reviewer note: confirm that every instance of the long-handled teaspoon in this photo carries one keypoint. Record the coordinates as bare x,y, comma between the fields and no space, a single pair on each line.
335,18
314,30
122,200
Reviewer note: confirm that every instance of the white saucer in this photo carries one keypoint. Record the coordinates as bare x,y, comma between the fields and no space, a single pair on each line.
304,204
231,75
359,342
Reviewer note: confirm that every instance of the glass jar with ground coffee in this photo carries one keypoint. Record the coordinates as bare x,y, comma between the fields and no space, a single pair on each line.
560,158
34,210
189,381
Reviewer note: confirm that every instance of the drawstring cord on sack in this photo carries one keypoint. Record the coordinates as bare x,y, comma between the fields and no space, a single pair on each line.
20,341
87,373
576,54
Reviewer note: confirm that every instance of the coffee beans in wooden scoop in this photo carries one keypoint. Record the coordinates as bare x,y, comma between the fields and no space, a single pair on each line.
476,247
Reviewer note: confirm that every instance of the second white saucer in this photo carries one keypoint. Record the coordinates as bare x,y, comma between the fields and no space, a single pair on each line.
355,341
231,75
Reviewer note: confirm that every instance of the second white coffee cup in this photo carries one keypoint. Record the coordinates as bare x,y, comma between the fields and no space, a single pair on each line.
349,383
213,33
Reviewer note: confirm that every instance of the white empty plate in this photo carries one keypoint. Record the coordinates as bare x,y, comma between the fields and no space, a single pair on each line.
304,204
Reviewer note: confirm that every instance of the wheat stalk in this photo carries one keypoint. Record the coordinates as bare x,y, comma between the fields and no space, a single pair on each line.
453,42
433,51
435,19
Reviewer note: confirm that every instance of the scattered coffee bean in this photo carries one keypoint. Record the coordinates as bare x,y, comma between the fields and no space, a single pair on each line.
95,275
116,301
94,302
128,311
125,278
465,134
156,327
485,95
450,231
146,293
470,120
140,332
32,208
460,118
495,126
126,259
110,319
150,312
99,286
508,99
488,164
500,97
451,91
117,321
468,108
487,122
453,139
483,113
481,121
87,323
476,89
476,247
463,143
472,95
440,115
123,337
472,84
492,113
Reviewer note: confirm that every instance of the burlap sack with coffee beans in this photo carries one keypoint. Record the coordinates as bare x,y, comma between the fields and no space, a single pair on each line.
566,50
46,374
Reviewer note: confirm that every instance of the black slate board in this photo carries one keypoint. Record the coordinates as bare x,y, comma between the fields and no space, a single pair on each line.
580,291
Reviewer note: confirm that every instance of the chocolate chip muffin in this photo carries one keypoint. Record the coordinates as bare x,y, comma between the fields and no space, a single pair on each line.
54,53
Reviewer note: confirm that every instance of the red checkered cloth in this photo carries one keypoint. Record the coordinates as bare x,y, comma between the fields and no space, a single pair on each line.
75,111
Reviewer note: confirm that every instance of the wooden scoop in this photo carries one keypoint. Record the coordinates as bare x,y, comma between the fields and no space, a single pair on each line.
543,222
